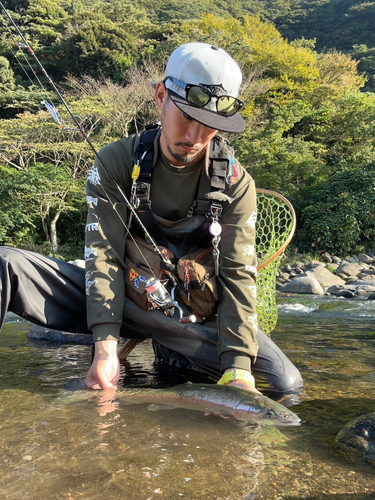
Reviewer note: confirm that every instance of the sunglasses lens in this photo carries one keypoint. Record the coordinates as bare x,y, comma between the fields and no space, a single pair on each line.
227,105
198,96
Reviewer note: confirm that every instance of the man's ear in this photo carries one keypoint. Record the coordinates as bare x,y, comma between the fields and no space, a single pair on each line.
161,94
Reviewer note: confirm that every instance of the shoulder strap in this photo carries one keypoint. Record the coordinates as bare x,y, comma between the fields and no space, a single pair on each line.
212,178
146,153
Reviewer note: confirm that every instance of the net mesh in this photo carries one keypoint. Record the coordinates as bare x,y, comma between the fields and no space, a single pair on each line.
274,230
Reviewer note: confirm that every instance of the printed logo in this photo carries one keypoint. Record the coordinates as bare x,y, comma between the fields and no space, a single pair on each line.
253,290
94,226
90,254
252,270
92,201
133,274
248,250
89,281
94,176
253,320
251,220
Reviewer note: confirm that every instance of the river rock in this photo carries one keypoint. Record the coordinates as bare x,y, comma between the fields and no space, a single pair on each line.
303,285
371,297
347,294
336,260
327,257
348,269
41,333
358,436
362,257
323,276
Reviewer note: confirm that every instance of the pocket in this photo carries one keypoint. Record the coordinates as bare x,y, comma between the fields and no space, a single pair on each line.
200,283
142,263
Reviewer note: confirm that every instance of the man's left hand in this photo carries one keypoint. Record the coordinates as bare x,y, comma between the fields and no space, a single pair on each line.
243,384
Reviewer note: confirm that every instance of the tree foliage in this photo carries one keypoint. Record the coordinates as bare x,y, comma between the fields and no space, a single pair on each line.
309,112
340,214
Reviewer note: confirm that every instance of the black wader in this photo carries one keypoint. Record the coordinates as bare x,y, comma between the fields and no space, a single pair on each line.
51,293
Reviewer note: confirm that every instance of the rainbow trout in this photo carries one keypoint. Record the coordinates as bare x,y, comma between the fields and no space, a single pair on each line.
226,400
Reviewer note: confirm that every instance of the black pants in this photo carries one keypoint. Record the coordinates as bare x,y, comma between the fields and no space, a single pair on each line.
51,293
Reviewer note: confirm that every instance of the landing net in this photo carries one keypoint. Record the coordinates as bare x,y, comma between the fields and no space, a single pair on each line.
275,227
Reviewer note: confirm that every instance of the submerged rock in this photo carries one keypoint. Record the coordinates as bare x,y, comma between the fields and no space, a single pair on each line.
358,436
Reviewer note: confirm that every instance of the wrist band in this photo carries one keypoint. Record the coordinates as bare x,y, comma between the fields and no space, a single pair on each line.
236,374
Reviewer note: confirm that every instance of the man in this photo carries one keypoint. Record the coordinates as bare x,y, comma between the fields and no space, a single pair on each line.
197,98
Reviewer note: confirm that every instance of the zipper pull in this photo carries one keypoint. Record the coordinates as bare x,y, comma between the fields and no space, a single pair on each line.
186,279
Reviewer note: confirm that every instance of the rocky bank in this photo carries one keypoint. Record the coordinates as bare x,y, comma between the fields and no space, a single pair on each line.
350,277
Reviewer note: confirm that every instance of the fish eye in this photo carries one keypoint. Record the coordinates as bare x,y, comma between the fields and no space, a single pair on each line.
270,414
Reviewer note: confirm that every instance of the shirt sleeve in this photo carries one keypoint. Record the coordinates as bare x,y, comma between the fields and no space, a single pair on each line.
237,319
105,242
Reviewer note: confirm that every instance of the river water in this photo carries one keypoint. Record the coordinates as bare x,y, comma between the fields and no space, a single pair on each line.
59,444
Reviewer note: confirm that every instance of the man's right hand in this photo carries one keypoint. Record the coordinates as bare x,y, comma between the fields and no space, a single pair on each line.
105,368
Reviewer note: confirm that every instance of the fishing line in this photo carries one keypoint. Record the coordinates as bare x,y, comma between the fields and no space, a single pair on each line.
45,98
87,139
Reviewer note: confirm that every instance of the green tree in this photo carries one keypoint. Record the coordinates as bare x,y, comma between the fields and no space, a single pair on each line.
339,215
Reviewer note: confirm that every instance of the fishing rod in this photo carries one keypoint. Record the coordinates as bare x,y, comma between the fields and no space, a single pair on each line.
157,294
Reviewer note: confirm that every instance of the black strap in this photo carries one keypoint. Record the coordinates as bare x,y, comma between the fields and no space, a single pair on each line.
212,180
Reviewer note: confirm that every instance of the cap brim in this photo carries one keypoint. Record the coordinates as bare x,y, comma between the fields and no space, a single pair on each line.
207,117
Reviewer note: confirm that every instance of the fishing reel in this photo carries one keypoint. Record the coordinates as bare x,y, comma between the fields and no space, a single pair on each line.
160,298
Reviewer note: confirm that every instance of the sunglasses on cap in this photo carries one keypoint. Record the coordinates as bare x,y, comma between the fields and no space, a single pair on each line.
199,96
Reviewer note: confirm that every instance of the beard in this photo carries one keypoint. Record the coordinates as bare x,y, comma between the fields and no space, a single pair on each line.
185,157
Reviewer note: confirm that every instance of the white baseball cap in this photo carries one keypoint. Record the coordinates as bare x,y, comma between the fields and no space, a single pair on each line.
219,78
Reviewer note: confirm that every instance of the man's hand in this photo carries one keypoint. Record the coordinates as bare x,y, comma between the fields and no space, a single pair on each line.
105,368
244,385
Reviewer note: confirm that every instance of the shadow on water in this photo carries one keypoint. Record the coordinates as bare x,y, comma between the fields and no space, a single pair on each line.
92,445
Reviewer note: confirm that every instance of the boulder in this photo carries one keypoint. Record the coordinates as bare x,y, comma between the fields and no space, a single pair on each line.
371,297
349,269
303,285
327,257
362,257
336,288
347,294
323,276
358,436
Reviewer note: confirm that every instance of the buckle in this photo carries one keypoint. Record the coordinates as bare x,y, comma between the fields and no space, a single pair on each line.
215,210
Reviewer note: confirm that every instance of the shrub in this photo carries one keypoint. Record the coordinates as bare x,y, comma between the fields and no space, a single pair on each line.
339,214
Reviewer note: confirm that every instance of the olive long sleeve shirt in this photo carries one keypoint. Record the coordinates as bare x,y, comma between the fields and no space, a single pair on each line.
173,191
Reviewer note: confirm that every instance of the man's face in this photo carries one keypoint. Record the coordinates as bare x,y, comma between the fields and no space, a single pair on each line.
183,140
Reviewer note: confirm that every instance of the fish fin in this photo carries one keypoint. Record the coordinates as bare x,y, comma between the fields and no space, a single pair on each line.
75,384
157,407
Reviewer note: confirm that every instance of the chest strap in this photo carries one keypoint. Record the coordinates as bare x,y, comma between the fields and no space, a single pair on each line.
212,178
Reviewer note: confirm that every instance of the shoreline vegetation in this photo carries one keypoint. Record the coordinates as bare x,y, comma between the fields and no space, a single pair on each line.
309,108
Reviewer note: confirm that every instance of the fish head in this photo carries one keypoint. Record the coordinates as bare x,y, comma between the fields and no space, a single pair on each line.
266,411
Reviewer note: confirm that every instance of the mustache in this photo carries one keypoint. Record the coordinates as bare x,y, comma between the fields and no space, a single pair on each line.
187,145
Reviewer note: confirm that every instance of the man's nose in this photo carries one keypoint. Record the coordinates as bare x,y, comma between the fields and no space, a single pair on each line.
197,133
